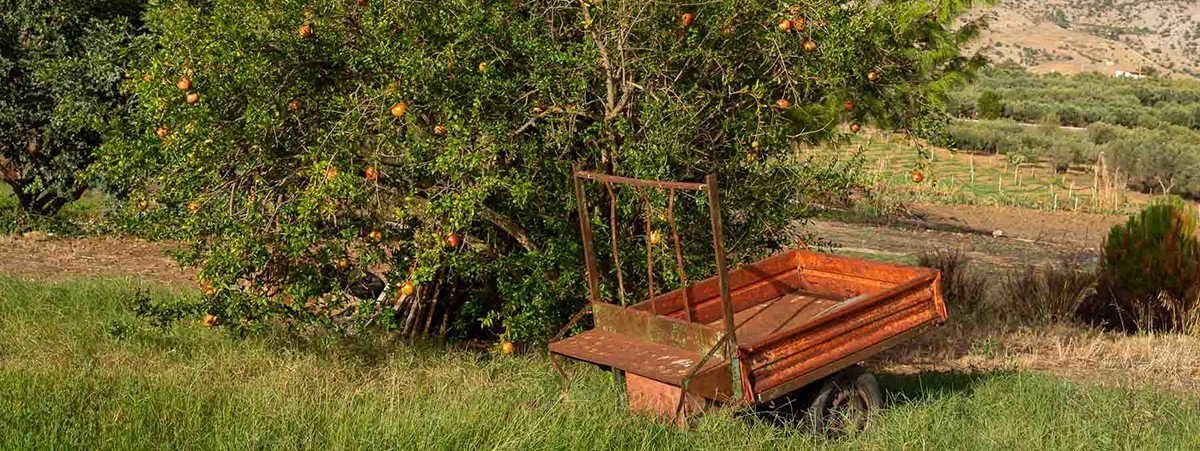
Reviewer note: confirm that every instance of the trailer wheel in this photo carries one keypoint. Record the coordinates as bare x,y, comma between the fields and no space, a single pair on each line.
846,402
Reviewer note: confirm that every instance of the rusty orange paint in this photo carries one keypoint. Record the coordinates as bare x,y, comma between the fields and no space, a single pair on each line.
792,319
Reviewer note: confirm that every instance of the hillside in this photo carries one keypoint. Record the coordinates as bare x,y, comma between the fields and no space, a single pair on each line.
1071,36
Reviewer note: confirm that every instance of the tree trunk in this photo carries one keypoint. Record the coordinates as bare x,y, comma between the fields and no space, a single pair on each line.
48,205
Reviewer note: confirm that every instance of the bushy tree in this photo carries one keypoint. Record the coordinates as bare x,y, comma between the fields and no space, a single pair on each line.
990,105
331,136
1150,270
61,63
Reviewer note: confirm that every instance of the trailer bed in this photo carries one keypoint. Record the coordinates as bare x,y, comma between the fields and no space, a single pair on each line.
798,316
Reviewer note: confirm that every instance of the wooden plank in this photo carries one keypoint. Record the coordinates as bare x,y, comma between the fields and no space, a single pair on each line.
692,337
661,363
672,302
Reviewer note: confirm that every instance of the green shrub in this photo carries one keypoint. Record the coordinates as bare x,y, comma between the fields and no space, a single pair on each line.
265,177
1150,270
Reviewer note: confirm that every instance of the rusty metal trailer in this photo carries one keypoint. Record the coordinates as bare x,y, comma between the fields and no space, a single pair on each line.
753,334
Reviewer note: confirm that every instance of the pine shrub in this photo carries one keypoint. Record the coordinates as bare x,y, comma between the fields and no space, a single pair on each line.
1150,270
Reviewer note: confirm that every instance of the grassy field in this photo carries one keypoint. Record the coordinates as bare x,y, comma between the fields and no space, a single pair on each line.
890,159
80,372
6,197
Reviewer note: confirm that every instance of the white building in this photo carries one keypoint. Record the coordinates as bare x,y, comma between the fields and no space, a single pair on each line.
1125,74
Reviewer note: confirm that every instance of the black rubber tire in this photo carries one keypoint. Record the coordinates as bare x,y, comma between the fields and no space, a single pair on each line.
846,402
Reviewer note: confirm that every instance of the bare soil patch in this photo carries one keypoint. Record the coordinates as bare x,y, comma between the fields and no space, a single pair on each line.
1031,239
1084,230
40,258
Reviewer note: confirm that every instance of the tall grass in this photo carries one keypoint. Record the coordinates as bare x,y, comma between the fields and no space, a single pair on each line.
77,372
965,289
1047,294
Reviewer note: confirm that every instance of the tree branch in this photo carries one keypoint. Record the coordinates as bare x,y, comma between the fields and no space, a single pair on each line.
509,227
611,101
500,221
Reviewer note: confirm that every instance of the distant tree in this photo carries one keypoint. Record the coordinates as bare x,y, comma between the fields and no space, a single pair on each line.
60,66
990,105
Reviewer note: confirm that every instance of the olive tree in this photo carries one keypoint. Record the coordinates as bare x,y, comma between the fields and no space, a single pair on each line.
293,144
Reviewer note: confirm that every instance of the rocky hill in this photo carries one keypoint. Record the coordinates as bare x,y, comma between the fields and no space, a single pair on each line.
1070,36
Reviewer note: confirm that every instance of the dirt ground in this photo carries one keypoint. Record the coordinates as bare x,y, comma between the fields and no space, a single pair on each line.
1025,235
38,257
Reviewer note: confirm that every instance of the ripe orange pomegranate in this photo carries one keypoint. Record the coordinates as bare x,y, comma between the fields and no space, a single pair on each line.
184,84
407,289
855,127
452,240
655,238
507,347
785,25
304,31
371,174
398,109
192,98
686,20
917,177
783,104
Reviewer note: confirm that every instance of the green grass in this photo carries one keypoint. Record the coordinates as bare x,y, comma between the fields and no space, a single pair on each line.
7,200
78,372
